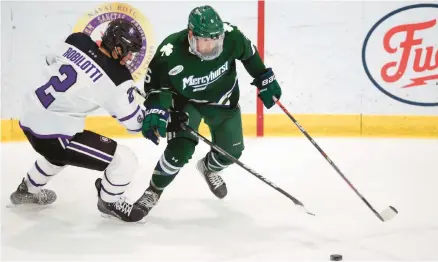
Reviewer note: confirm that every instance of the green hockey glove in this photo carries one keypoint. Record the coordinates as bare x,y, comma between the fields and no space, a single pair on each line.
269,88
155,124
162,98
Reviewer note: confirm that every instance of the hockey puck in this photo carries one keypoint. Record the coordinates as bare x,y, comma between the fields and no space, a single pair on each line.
335,257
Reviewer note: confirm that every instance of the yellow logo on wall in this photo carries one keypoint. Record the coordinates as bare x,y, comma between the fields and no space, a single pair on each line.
95,22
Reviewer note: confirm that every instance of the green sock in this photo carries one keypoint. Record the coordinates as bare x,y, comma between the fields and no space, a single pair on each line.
160,181
176,155
164,173
213,162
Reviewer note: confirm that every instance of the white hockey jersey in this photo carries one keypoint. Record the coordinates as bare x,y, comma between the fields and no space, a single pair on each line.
80,80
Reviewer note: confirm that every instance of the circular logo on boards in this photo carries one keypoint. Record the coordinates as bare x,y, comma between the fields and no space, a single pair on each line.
400,54
95,22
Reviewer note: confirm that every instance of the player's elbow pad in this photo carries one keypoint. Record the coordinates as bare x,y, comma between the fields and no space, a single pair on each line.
134,121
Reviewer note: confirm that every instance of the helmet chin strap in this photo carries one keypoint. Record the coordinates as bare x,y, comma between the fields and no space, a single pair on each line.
191,50
120,56
105,47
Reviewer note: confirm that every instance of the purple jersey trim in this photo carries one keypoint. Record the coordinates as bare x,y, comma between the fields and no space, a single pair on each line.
109,193
136,130
106,178
130,116
64,142
51,136
33,182
40,170
90,151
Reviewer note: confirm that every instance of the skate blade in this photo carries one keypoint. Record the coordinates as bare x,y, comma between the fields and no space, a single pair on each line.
12,205
24,205
113,218
27,207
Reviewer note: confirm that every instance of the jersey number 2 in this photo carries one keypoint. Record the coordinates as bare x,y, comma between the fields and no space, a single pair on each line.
45,96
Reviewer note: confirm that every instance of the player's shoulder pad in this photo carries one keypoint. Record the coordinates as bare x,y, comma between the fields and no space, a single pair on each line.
233,33
171,44
118,73
79,40
231,29
113,69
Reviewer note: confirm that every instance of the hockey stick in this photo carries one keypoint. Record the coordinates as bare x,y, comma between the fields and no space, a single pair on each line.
139,97
387,214
223,152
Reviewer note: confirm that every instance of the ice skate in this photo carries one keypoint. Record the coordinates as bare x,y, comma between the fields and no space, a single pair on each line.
22,196
120,209
149,199
213,179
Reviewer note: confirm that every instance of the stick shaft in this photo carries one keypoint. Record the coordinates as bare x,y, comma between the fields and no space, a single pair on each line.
328,159
238,162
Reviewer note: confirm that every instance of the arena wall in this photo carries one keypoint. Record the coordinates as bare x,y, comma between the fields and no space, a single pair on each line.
329,58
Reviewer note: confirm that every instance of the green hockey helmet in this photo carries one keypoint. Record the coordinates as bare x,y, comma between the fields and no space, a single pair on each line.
208,32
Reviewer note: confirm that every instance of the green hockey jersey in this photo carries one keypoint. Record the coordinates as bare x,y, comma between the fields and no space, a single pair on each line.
211,82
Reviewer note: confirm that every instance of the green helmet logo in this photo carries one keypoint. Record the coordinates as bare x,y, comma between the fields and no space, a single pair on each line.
204,21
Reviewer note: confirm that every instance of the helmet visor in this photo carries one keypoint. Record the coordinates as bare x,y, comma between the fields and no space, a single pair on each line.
207,48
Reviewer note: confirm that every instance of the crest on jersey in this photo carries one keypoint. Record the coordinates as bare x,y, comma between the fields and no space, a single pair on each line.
176,70
105,139
95,22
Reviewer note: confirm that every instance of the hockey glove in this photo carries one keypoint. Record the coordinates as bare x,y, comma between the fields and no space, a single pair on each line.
176,119
155,123
269,88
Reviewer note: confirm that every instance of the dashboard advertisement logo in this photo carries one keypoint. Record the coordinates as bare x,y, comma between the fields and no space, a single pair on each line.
95,22
400,54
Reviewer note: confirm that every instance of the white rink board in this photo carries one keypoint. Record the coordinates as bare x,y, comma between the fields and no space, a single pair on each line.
314,48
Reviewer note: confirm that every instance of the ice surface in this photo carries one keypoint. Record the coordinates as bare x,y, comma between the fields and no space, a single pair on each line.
254,222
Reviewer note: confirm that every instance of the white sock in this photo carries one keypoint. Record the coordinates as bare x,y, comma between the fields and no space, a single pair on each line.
118,174
40,174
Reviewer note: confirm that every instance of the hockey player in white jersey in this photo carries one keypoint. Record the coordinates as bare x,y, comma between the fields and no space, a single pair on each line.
83,77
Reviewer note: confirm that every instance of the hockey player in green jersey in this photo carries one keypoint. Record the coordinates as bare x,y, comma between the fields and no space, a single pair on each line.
194,72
